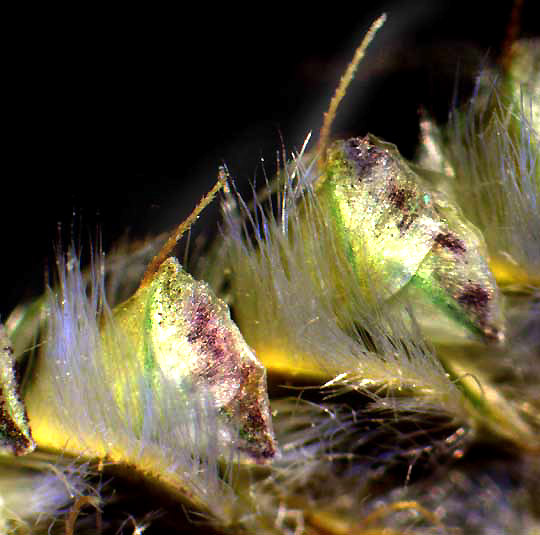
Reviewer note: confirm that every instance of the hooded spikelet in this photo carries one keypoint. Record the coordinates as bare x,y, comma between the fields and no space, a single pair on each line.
489,152
73,400
301,307
497,169
305,312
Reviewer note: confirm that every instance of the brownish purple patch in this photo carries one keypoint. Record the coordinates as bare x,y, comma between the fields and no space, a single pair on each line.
450,241
206,334
400,199
364,155
246,409
398,196
476,299
220,365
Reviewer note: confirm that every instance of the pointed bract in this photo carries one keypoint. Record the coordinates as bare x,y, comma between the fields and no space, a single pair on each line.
15,434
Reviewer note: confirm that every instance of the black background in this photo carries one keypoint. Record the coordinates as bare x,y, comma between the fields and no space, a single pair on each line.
117,120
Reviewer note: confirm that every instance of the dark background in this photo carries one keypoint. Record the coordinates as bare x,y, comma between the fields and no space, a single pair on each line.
116,121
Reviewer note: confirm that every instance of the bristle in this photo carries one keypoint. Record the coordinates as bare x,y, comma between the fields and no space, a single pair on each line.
484,496
494,151
338,462
36,491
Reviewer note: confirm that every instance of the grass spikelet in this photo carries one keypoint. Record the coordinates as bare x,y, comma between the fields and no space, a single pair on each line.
91,403
302,309
490,156
493,151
